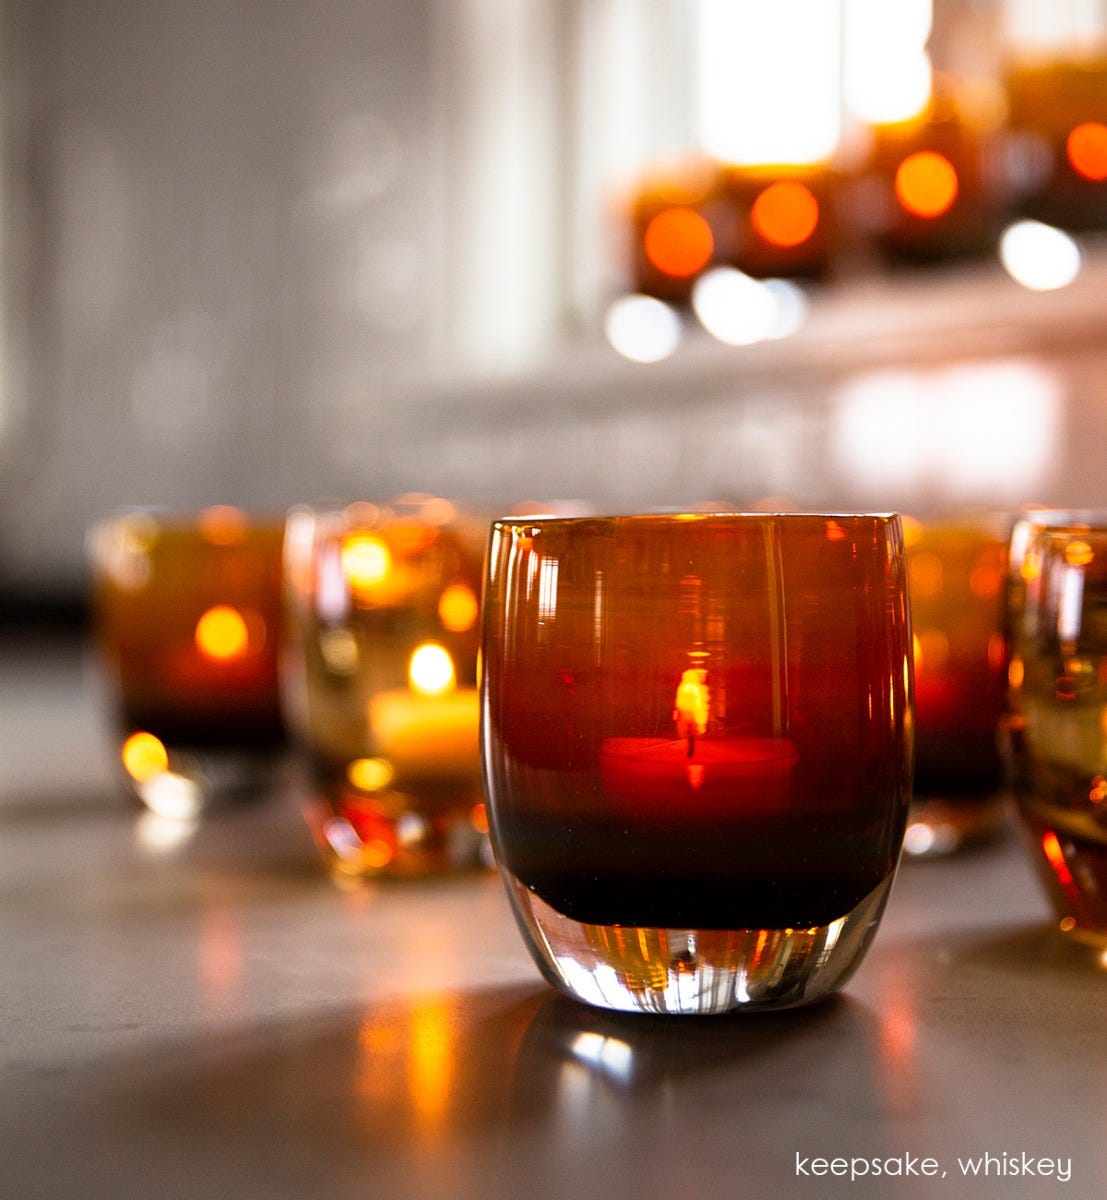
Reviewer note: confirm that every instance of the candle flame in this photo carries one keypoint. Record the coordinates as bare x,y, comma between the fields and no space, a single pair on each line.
431,671
222,633
366,561
458,608
692,705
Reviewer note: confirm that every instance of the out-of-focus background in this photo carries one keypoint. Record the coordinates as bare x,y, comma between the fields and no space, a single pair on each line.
262,251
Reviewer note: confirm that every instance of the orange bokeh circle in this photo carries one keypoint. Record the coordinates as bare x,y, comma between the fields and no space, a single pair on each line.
678,241
1086,147
926,184
785,213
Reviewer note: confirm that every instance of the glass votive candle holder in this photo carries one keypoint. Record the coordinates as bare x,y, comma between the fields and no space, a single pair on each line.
187,621
697,748
380,678
957,574
1057,726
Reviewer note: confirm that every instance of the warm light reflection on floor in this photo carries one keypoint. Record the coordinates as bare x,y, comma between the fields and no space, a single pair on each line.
220,956
416,1061
431,1061
897,1039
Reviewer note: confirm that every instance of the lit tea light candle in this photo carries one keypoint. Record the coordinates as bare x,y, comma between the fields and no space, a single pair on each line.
188,614
931,190
784,215
678,228
1058,134
694,775
430,728
957,574
731,776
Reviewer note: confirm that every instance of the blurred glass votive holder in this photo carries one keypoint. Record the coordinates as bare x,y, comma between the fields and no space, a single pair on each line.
380,680
1057,724
697,750
187,626
957,573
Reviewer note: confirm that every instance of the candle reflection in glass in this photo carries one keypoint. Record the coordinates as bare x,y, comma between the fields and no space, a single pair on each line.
380,668
697,750
957,574
187,611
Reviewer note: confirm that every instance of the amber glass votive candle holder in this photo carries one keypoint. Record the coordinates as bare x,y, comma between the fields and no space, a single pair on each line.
1058,135
381,684
187,615
1057,741
957,575
697,748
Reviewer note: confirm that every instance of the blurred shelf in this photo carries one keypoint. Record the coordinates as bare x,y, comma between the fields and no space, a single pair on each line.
910,318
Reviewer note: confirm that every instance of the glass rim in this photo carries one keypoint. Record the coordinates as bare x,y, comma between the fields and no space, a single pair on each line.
1057,534
678,517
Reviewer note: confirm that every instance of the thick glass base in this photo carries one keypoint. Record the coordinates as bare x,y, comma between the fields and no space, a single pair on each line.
690,971
939,825
360,839
1069,848
192,780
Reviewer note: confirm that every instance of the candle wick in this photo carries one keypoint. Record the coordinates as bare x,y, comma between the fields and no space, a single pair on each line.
691,745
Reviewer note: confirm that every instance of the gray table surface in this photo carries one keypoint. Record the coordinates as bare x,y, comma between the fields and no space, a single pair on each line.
199,1012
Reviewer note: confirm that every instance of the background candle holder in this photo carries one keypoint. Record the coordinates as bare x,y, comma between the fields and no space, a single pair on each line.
1057,728
380,669
187,615
697,750
957,577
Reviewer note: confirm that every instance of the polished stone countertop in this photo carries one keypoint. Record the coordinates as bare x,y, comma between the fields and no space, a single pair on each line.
196,1011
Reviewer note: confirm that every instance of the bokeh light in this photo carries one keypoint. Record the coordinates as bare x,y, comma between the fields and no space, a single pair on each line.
144,756
1086,148
642,328
733,307
769,82
366,560
890,87
223,524
1039,256
926,184
369,774
985,428
785,214
222,633
886,71
679,242
791,306
172,796
431,672
458,608
739,310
